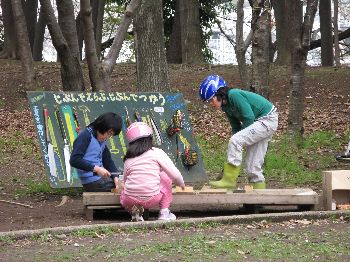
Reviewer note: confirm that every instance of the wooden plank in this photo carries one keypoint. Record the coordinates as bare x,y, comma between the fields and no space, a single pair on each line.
246,198
259,196
208,190
103,207
188,190
100,198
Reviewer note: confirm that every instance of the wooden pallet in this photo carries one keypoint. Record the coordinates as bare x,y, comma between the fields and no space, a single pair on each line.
206,199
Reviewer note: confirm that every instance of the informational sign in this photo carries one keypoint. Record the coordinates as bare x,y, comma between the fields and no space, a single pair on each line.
60,116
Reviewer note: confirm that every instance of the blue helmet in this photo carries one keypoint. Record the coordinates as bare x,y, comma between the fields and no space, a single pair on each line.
210,86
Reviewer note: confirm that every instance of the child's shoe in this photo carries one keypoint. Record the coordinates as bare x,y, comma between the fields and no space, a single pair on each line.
136,213
165,214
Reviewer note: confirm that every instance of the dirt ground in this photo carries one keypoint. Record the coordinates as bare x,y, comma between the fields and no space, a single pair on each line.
327,101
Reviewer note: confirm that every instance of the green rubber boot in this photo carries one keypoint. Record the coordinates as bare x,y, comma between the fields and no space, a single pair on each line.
259,185
229,179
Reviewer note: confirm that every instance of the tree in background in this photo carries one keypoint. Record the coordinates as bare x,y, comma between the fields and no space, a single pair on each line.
30,11
325,12
99,72
301,35
182,17
38,44
71,73
261,27
66,21
241,46
23,45
191,43
282,17
9,48
336,34
98,7
151,64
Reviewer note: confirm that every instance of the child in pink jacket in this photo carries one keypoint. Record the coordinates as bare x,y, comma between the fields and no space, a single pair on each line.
148,175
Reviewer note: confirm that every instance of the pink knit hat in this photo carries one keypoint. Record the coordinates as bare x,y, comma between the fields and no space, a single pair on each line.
137,130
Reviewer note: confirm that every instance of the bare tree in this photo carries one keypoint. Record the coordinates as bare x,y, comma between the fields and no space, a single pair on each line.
97,19
173,50
23,46
9,51
336,34
66,22
283,44
39,37
152,68
261,26
191,45
30,11
71,73
326,33
100,72
242,45
301,35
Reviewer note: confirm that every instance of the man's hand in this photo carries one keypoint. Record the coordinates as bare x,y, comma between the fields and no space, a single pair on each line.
102,172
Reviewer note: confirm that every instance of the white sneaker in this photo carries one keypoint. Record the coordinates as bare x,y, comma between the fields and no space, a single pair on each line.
136,213
165,214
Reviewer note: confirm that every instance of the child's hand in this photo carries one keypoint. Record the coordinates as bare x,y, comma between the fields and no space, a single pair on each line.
102,172
116,182
183,187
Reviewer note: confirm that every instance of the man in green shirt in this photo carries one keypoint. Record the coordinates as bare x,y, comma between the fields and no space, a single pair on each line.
253,120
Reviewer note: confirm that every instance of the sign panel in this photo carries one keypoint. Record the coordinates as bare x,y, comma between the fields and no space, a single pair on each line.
59,116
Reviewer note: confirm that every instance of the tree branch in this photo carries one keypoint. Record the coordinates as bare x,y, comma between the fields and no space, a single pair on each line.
232,42
317,43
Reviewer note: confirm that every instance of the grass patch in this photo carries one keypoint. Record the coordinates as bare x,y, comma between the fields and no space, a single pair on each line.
291,162
213,152
94,232
17,144
263,247
43,187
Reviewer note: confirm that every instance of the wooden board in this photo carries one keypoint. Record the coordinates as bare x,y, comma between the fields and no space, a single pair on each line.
208,190
188,190
299,196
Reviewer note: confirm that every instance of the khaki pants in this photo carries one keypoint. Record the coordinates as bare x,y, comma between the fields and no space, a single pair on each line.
255,138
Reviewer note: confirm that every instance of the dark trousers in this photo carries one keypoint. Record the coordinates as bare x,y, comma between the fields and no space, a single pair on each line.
101,185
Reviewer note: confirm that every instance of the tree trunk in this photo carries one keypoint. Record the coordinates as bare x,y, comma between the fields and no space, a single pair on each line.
10,41
241,46
336,34
23,43
31,14
260,49
151,65
80,33
326,33
66,21
39,37
71,73
301,34
173,51
97,18
90,48
282,16
191,41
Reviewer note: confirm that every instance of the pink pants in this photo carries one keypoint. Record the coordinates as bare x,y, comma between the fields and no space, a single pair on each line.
164,197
